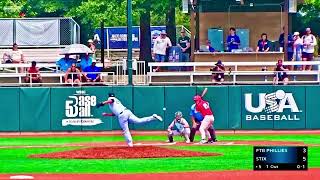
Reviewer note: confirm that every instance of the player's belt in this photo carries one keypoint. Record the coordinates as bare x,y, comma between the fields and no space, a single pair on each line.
122,111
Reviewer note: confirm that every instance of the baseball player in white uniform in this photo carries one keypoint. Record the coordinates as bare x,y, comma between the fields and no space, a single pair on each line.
125,116
179,126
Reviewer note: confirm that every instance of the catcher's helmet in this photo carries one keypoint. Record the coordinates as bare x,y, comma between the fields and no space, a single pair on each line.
178,113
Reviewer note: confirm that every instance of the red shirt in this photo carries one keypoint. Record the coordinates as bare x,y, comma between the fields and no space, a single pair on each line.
33,70
204,108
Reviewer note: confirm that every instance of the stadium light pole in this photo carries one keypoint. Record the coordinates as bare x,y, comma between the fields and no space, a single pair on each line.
129,40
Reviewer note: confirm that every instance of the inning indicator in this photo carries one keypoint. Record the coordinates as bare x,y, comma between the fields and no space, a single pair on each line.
280,158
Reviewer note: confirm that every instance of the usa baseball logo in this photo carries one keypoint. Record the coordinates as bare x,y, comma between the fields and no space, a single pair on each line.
275,102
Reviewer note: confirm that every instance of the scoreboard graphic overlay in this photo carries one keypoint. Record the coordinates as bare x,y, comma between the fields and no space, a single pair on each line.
280,158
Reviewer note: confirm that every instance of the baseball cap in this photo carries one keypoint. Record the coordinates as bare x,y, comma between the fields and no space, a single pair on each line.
296,33
90,41
163,32
94,60
308,29
111,95
219,62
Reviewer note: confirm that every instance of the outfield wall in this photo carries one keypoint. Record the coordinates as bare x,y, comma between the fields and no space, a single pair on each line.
235,107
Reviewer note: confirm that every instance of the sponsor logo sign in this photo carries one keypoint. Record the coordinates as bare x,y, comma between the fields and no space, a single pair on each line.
78,109
277,106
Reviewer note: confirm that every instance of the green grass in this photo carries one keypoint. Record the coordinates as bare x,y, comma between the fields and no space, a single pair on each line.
32,141
16,160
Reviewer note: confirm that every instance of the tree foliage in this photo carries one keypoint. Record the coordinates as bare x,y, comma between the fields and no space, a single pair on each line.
308,15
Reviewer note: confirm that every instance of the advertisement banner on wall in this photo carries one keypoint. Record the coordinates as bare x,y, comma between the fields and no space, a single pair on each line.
116,37
74,109
78,110
274,107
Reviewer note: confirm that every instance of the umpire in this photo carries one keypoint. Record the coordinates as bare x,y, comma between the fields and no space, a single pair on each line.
197,118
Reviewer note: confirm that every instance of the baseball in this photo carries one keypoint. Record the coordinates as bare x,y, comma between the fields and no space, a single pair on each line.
164,108
280,94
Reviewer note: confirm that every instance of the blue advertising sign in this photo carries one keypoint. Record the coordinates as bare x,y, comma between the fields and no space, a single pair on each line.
97,32
117,37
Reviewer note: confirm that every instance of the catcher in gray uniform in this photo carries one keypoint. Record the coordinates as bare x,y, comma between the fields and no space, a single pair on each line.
179,126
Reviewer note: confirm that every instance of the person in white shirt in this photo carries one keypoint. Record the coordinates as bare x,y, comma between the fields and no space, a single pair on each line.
125,116
297,49
179,126
160,47
309,42
16,54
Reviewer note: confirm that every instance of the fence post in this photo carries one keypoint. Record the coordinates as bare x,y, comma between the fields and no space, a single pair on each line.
102,42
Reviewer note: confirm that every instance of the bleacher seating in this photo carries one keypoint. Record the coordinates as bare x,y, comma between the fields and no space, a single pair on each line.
40,55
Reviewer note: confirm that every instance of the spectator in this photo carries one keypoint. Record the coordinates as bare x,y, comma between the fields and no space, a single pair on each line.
92,46
65,63
184,44
7,58
92,73
96,39
297,49
289,45
233,40
209,47
218,73
280,74
309,42
33,74
263,43
16,54
160,47
85,61
73,75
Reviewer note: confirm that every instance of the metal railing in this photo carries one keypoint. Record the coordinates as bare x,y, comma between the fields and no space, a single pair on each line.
119,76
139,72
232,74
107,78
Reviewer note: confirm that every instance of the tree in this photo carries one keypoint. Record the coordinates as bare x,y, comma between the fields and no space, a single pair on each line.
10,8
145,31
171,21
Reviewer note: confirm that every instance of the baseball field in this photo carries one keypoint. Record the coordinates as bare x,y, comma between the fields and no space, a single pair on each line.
80,156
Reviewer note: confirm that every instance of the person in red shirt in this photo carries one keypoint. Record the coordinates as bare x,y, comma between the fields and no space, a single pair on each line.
204,108
33,74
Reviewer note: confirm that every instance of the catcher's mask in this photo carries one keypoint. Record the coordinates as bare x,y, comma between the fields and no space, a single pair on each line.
178,115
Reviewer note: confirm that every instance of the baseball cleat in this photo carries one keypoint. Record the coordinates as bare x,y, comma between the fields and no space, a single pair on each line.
203,141
157,117
187,141
130,144
210,141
